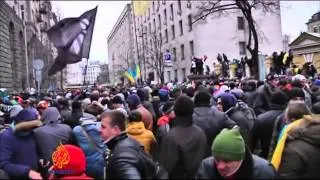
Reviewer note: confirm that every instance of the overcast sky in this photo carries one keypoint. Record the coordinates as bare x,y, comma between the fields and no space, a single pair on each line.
294,15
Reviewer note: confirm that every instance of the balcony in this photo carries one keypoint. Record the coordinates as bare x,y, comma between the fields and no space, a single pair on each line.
43,9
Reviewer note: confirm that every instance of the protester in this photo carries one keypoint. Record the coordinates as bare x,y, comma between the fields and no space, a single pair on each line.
296,155
88,139
209,119
52,133
18,151
232,160
134,103
73,168
123,159
185,145
137,131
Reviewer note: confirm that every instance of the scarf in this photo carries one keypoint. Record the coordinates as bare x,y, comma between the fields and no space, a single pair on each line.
277,155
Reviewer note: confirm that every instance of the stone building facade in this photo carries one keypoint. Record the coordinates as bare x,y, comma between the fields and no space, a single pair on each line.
12,50
23,24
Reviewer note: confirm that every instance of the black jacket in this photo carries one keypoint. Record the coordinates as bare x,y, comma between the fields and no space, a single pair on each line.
183,149
301,156
252,167
211,121
123,162
249,97
263,129
263,98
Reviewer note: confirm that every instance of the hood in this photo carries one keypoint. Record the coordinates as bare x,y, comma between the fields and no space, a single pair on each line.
308,131
135,128
87,119
51,116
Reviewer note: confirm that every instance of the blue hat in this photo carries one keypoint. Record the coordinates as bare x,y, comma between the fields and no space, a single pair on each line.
316,82
133,101
25,115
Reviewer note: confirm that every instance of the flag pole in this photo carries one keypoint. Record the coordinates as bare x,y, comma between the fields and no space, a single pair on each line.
135,33
87,59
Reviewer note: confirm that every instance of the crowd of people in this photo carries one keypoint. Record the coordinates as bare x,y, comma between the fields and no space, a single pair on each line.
201,130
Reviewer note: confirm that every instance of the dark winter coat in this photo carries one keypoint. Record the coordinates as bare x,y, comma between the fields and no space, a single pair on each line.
263,98
52,134
249,97
124,162
183,149
253,167
18,151
301,156
263,129
211,121
73,121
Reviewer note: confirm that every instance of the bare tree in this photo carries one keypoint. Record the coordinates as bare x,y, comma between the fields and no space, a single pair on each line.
220,8
155,54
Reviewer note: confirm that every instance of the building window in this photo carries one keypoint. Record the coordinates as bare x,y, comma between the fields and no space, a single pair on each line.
166,35
179,5
160,38
153,6
190,22
165,15
22,15
169,75
149,28
149,12
182,51
171,12
240,23
159,18
315,30
154,24
181,27
242,47
191,48
183,72
174,51
176,74
173,32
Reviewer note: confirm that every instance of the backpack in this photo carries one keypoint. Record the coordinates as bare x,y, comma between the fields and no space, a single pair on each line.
151,169
247,112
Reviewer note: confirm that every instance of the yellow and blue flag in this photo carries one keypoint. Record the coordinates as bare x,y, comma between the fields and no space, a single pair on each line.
140,7
128,76
137,71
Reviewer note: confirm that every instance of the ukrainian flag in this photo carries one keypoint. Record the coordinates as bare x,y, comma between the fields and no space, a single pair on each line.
138,72
128,76
140,7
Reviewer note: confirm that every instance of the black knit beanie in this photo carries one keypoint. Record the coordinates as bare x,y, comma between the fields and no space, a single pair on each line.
183,106
279,98
202,98
296,92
